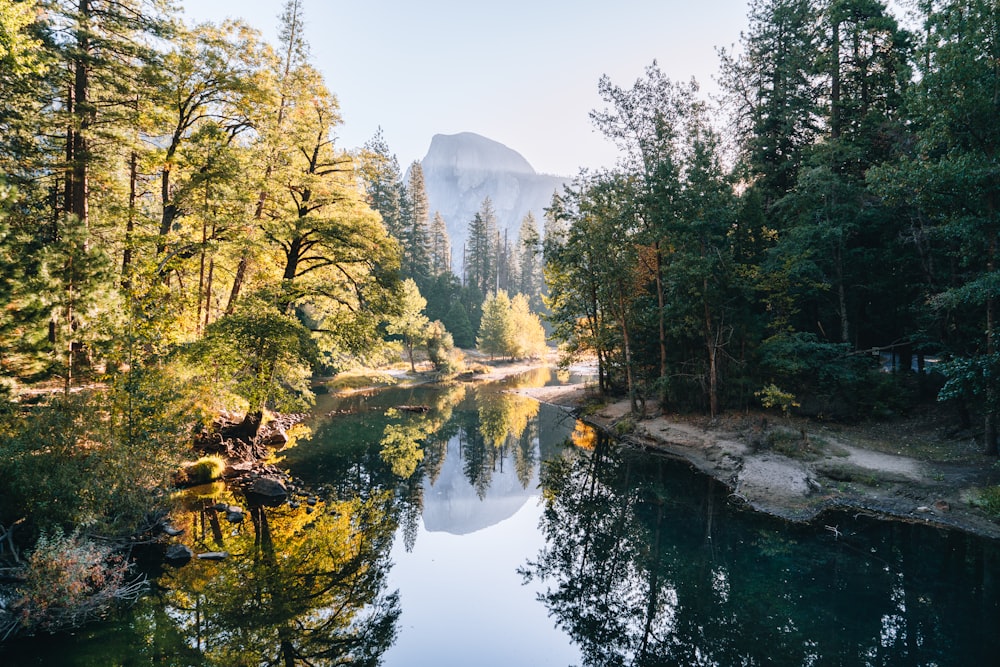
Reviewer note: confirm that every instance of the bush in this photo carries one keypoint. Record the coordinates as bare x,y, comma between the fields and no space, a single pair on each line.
69,581
441,350
989,500
624,426
773,397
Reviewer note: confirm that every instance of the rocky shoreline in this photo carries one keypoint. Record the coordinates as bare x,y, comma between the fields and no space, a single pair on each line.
826,472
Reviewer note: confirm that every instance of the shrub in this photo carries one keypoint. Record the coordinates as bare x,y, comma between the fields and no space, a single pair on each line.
989,500
441,350
70,580
773,397
625,425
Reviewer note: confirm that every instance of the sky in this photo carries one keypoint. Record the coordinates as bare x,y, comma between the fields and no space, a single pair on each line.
521,72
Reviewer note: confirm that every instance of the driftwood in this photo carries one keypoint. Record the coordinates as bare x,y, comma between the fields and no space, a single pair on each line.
7,540
413,408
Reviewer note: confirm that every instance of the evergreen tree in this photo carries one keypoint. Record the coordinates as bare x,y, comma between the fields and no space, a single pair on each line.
949,182
440,246
481,251
496,329
772,90
383,183
417,243
457,321
529,250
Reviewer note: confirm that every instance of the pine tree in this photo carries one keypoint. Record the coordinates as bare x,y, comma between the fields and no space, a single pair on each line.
772,90
440,246
383,183
496,329
529,249
417,242
481,251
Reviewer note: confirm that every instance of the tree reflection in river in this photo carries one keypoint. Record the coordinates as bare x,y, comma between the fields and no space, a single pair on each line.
302,586
646,564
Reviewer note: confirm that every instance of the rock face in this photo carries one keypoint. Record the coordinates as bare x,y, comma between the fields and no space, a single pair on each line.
460,170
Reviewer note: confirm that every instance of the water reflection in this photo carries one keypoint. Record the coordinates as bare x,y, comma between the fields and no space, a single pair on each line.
645,564
421,517
302,586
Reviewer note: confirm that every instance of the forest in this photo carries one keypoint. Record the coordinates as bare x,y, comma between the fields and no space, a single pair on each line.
181,236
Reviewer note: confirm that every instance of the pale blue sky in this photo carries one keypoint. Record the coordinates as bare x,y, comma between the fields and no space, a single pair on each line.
521,72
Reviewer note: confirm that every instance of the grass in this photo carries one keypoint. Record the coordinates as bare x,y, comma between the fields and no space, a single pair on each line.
795,444
204,470
354,380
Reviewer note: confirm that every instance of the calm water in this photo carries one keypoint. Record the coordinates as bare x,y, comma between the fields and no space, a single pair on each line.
490,530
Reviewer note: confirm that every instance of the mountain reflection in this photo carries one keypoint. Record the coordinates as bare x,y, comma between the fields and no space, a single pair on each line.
645,564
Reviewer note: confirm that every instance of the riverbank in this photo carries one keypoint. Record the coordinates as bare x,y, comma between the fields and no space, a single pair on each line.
797,470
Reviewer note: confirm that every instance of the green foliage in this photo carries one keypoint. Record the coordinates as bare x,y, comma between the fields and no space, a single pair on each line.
260,355
773,397
509,328
458,324
75,461
441,350
989,500
496,329
410,323
969,378
793,443
625,426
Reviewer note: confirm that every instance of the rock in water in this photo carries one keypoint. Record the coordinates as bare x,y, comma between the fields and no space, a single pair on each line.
178,555
267,491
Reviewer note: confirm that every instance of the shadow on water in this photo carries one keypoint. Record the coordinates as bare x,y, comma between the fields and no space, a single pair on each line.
644,562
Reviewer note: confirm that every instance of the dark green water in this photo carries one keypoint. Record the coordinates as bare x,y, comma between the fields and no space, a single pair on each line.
473,534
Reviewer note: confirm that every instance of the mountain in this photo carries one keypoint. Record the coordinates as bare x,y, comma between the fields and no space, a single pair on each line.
460,170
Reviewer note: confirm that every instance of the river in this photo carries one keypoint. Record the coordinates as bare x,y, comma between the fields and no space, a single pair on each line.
484,528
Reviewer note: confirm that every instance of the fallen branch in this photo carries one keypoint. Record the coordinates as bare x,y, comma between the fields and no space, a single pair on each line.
7,537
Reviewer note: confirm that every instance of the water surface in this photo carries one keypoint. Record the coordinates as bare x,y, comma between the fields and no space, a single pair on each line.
486,529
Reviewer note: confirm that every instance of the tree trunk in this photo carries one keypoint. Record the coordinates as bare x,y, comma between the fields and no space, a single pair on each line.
661,303
241,274
990,427
133,172
83,115
627,347
712,344
169,210
834,75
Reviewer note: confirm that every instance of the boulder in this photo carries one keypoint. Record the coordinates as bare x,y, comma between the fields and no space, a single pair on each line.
178,555
214,555
267,491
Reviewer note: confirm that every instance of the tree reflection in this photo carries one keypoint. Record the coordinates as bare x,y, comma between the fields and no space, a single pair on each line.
302,586
645,564
507,423
403,438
